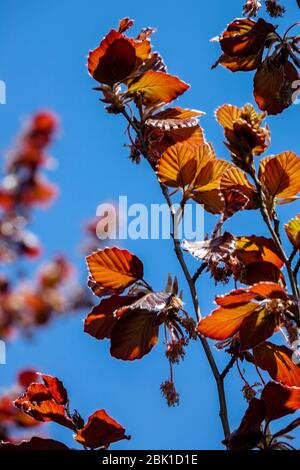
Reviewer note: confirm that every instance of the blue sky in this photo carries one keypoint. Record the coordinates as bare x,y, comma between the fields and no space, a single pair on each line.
43,51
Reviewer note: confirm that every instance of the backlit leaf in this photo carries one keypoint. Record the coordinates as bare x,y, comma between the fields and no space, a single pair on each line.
292,229
281,175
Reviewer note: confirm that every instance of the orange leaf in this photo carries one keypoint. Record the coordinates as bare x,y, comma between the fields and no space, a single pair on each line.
100,322
292,229
281,175
277,361
157,87
100,431
256,328
273,91
114,269
134,335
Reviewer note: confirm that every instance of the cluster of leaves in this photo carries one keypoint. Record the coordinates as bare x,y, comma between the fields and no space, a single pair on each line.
23,187
53,292
45,399
256,45
173,142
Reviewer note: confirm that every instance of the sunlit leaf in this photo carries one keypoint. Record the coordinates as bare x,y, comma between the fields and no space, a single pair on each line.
100,322
100,431
214,250
113,60
292,229
280,400
243,42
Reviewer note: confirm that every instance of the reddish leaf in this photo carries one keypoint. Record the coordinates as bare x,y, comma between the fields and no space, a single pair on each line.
292,229
56,389
253,249
100,431
248,434
280,175
257,327
125,24
215,250
260,271
280,400
114,269
157,87
243,43
177,166
278,362
113,60
35,443
135,335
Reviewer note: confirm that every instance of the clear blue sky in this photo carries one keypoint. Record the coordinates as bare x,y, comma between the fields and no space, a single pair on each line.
43,50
